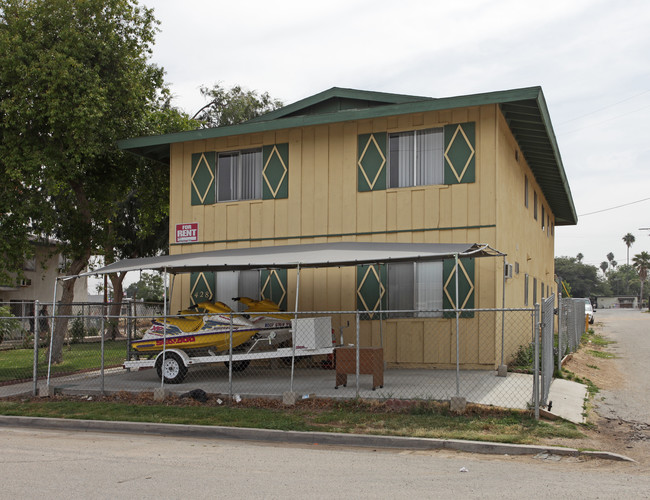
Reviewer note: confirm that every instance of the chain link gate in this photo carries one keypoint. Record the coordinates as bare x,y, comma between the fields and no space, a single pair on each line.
548,365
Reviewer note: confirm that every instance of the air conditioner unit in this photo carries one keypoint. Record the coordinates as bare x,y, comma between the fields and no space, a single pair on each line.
508,270
25,282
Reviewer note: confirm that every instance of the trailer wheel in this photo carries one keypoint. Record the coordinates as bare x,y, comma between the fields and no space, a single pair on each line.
173,369
238,366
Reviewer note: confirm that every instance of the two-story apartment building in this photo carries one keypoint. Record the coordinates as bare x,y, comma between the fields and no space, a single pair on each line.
349,165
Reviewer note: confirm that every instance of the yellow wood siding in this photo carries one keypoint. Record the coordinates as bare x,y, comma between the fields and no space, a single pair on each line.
324,205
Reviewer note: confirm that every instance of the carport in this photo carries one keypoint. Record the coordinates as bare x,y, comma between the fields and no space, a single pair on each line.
300,256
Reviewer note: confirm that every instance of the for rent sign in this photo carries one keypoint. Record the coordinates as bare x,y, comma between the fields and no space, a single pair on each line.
187,233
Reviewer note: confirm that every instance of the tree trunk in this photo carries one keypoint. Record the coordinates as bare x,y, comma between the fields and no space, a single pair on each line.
117,280
64,310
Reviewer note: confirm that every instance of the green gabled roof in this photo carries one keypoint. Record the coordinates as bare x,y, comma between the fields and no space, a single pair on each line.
524,109
338,99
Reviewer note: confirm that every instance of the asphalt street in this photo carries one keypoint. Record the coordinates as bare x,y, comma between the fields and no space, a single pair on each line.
71,465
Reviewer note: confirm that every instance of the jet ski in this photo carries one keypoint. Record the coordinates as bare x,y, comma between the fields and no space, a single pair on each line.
207,326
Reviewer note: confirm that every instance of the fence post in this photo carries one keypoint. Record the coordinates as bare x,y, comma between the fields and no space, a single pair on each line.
36,329
560,349
102,349
357,354
230,362
536,362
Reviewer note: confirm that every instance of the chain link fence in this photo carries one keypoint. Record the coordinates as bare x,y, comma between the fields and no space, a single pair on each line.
426,355
571,325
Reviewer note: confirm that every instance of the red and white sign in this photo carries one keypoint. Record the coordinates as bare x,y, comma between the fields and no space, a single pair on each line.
187,233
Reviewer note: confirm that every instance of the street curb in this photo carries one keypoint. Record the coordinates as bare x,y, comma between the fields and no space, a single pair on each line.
295,437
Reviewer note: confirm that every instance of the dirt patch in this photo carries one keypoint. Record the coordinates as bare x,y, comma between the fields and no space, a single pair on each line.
601,371
631,439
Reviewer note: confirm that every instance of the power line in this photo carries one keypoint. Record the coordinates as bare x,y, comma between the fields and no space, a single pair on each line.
614,208
605,107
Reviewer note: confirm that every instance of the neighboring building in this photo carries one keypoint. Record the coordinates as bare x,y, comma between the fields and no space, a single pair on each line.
39,271
617,302
349,165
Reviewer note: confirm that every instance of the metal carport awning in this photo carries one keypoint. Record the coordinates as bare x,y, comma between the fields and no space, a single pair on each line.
337,254
313,255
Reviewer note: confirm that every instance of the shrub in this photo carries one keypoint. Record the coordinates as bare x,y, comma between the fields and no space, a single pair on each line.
77,331
8,323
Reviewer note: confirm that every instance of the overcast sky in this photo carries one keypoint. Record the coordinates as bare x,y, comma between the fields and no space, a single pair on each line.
591,58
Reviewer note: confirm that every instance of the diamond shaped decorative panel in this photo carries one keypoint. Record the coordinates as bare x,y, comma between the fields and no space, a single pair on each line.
460,153
203,178
371,162
371,291
274,286
275,172
201,288
465,286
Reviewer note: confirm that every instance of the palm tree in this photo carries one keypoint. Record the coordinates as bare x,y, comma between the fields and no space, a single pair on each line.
629,240
641,262
610,257
603,266
579,257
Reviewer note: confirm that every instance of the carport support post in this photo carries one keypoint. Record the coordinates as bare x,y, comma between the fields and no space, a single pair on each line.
101,371
49,360
295,327
457,329
230,361
162,366
36,329
358,360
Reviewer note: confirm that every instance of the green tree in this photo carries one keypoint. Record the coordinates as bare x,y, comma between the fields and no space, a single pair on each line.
629,239
624,280
233,106
641,262
75,78
582,278
604,265
148,288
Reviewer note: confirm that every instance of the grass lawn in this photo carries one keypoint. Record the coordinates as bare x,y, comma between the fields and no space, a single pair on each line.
17,364
416,419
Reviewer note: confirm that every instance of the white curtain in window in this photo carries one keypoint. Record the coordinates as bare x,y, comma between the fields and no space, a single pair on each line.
400,286
428,288
402,155
251,175
227,287
227,177
429,158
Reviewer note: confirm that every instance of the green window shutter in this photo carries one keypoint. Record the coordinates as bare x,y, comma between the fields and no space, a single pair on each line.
460,153
204,178
371,290
201,288
275,171
466,286
371,162
274,286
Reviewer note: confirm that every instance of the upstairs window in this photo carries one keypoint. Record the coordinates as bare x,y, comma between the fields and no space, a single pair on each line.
415,158
239,175
526,191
